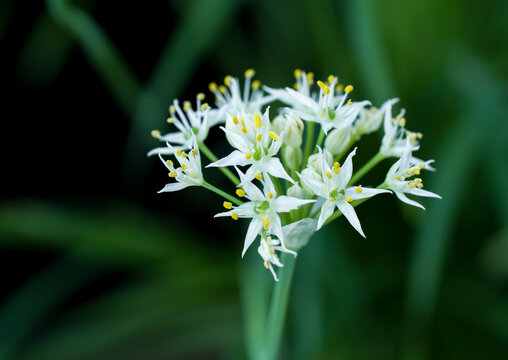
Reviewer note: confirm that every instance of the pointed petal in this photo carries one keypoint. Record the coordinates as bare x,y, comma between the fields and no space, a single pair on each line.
174,187
174,137
233,159
274,167
160,150
402,197
287,203
326,212
252,232
346,171
317,187
349,212
365,192
421,192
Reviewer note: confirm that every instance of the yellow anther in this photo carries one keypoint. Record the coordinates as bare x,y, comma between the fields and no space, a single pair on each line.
256,84
194,152
349,199
169,163
249,73
331,199
184,155
248,156
257,121
155,133
171,120
179,152
310,76
416,171
200,96
222,89
235,120
358,190
172,174
266,223
408,173
421,165
212,87
349,102
184,166
295,86
172,109
402,122
321,84
348,89
412,138
244,130
234,216
227,205
419,135
336,167
271,250
331,78
273,135
227,80
259,137
339,87
298,73
418,181
240,193
328,175
259,176
270,195
326,90
187,105
204,106
412,185
266,263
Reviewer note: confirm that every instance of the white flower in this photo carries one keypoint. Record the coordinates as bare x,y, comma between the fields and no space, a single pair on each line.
256,146
370,120
292,127
328,109
394,139
267,250
189,173
263,209
189,123
229,99
332,187
399,177
303,85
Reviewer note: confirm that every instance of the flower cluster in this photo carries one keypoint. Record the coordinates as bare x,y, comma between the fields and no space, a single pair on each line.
294,169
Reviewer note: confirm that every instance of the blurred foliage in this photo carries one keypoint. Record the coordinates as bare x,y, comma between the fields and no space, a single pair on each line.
137,279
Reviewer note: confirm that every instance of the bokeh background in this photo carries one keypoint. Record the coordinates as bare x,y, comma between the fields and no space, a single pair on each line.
96,265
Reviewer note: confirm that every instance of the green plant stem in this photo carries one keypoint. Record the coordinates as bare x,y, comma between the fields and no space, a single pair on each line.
309,140
366,168
320,139
211,156
222,193
278,308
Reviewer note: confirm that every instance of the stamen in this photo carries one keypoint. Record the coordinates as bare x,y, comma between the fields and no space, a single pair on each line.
249,73
184,166
259,137
240,193
321,84
256,84
204,106
358,190
227,205
421,165
328,175
257,121
171,120
402,122
349,88
339,88
155,133
295,86
326,90
222,89
259,176
169,163
349,199
172,174
234,216
227,80
416,171
298,73
235,120
271,250
212,87
331,199
336,167
187,105
248,156
273,135
172,109
266,222
194,152
270,195
200,96
331,78
349,102
266,264
179,152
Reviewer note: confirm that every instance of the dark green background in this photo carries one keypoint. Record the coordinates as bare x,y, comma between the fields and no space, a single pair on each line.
96,265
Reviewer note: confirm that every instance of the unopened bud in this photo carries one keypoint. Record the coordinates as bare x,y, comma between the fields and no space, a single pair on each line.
293,157
292,127
337,140
314,161
311,173
296,191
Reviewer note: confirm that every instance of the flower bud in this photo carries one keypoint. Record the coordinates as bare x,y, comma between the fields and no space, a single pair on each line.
337,140
314,161
297,192
292,156
241,124
311,173
292,126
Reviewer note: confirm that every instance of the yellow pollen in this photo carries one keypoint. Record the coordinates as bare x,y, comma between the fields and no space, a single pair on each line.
402,122
321,84
328,175
271,250
331,78
419,135
212,87
412,138
244,130
267,264
310,76
248,156
187,105
204,106
184,166
336,167
234,216
349,102
194,152
259,137
155,133
171,120
222,89
298,73
348,89
408,173
240,193
416,171
349,199
270,195
169,163
273,135
339,87
257,121
358,190
179,152
256,84
172,109
421,165
331,199
266,223
200,96
295,86
172,174
227,80
235,120
184,155
249,73
259,176
326,90
412,185
227,205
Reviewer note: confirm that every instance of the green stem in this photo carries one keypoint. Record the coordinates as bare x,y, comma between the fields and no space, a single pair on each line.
366,168
211,156
222,193
278,308
320,139
309,140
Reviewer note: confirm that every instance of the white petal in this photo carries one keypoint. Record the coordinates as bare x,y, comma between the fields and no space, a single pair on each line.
316,186
174,187
160,150
237,141
274,167
252,232
346,170
233,159
326,212
366,192
405,199
421,192
175,137
349,212
287,203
